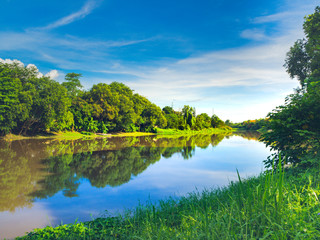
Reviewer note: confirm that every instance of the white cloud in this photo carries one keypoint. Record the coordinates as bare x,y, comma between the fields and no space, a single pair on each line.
53,74
256,69
9,61
254,34
82,13
275,17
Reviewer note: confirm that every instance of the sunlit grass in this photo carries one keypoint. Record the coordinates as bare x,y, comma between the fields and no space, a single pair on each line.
67,135
160,131
131,134
274,205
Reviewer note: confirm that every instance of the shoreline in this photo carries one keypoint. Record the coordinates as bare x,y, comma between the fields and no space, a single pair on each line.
73,135
270,204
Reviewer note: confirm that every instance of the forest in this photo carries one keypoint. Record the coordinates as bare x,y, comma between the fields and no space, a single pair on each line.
31,104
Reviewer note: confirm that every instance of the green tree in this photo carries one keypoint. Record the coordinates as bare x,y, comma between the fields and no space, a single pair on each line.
50,106
203,121
174,119
10,89
153,117
73,84
216,122
189,114
296,125
303,59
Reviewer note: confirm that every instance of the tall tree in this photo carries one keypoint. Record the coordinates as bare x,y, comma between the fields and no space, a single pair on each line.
73,84
189,114
296,125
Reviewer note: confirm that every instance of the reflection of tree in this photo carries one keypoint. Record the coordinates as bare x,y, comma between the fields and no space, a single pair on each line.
250,135
18,177
111,167
41,168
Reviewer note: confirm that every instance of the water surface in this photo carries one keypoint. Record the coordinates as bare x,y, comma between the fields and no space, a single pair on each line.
49,181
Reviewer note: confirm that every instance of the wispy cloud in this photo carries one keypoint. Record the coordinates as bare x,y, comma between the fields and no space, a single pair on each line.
252,77
86,9
254,34
66,52
275,17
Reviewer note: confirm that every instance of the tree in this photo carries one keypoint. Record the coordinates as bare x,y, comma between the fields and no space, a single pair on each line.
303,59
216,122
29,102
153,117
189,114
203,121
73,84
295,126
174,119
9,101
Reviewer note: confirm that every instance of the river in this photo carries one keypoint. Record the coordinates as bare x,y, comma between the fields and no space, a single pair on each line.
48,182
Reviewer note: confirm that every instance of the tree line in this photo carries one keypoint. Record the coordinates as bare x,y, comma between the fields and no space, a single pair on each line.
262,124
30,104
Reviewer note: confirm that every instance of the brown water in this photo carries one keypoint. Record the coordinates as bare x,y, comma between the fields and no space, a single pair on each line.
50,181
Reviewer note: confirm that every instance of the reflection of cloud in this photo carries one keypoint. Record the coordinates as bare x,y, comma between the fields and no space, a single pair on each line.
24,220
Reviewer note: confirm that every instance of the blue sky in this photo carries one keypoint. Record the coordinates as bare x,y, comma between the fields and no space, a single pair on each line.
223,57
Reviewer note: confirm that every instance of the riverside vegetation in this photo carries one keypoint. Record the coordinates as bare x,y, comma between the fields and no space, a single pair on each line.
31,104
281,203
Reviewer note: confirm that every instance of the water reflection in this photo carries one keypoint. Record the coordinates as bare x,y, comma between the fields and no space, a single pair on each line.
41,168
74,179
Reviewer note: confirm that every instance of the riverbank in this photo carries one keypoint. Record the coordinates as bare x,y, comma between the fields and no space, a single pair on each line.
273,205
69,135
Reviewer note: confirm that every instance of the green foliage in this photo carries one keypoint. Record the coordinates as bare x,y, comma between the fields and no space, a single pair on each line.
9,100
187,119
295,126
175,119
30,104
216,122
72,84
189,116
153,117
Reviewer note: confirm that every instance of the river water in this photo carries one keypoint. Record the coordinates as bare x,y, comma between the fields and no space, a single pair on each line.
48,182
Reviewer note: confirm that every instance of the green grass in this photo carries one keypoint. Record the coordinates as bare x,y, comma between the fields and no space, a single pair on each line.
160,131
131,134
68,135
72,135
274,205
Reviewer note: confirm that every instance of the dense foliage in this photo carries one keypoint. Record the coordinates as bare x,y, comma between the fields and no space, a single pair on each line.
31,103
296,125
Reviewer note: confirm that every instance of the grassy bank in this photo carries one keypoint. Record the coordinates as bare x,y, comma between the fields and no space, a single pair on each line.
77,135
274,205
160,131
53,135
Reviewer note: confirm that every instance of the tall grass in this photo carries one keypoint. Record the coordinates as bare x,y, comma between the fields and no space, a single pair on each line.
274,205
